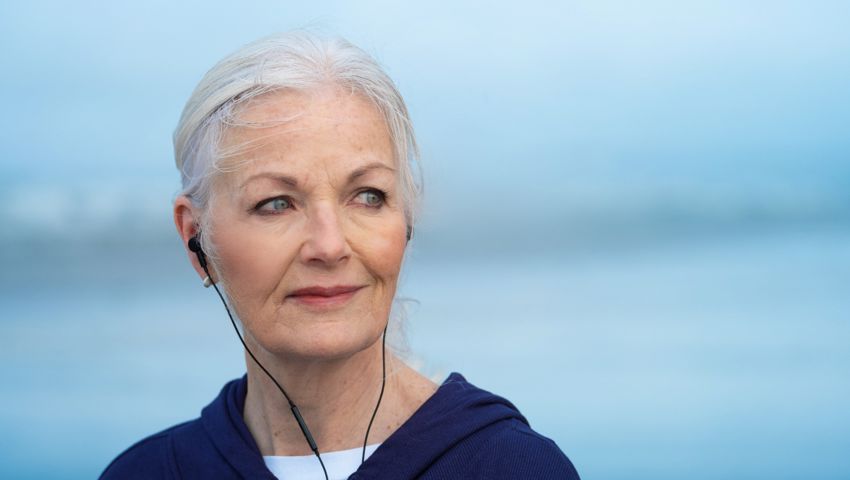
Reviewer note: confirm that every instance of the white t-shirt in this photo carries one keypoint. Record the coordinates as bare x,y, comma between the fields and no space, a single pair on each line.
340,465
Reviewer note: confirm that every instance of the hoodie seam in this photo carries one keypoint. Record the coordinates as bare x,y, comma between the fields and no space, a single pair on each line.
173,466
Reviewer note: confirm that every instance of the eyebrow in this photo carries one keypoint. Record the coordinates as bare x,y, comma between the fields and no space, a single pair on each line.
293,182
359,172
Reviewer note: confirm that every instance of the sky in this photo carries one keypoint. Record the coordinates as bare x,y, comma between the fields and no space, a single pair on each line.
535,112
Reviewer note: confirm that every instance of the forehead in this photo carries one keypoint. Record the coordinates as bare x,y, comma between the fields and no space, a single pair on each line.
329,129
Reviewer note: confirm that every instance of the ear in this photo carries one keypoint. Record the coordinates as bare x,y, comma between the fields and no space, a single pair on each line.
186,218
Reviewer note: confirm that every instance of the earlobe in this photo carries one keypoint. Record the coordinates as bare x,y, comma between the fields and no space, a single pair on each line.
194,245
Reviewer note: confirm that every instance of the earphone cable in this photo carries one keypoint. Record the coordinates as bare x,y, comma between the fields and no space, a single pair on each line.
295,412
381,395
194,245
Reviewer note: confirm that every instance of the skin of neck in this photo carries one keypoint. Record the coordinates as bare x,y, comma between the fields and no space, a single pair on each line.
336,398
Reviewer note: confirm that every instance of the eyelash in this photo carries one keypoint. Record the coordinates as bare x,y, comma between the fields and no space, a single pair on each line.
258,207
381,194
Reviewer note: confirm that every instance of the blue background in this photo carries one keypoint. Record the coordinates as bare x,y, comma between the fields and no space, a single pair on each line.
636,223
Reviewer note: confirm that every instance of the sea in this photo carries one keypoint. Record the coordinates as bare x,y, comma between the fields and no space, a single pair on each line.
708,355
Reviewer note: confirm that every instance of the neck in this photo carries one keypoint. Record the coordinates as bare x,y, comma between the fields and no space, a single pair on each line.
336,398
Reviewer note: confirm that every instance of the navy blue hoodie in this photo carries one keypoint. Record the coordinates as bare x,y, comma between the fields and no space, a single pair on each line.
460,432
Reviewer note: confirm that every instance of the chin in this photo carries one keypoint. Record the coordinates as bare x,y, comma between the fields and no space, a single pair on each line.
326,341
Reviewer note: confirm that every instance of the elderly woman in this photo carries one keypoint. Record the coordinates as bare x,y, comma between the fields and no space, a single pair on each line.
299,200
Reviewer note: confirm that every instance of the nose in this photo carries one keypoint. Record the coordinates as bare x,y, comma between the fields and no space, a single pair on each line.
326,244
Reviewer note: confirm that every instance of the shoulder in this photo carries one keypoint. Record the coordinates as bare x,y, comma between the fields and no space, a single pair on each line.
511,449
492,439
151,457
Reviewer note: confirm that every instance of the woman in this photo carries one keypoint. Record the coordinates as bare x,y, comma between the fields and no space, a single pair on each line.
299,200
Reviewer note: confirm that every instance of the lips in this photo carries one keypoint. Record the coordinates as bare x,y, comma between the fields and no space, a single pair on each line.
324,291
323,298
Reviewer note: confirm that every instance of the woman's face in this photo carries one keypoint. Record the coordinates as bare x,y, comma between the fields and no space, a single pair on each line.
313,203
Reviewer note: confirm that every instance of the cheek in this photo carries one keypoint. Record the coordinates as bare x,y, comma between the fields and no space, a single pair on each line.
384,254
249,267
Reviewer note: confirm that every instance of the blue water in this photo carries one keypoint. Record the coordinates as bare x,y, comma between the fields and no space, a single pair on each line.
721,358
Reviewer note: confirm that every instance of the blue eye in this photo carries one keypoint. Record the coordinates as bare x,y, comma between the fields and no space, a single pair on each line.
372,198
274,205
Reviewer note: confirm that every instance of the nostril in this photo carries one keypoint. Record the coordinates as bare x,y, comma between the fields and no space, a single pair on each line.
326,245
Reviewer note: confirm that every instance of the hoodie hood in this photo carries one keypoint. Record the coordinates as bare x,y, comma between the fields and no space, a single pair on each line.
454,412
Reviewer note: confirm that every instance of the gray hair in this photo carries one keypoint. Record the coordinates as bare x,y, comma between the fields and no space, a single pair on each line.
299,61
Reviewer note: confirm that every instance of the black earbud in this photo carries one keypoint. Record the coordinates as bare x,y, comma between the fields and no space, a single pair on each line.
195,246
409,232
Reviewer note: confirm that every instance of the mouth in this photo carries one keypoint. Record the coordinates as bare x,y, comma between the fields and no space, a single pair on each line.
324,297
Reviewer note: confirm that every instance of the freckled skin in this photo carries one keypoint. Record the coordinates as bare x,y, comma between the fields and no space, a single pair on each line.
327,231
329,237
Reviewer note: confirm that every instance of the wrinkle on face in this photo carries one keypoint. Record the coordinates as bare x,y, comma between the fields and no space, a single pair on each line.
333,134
